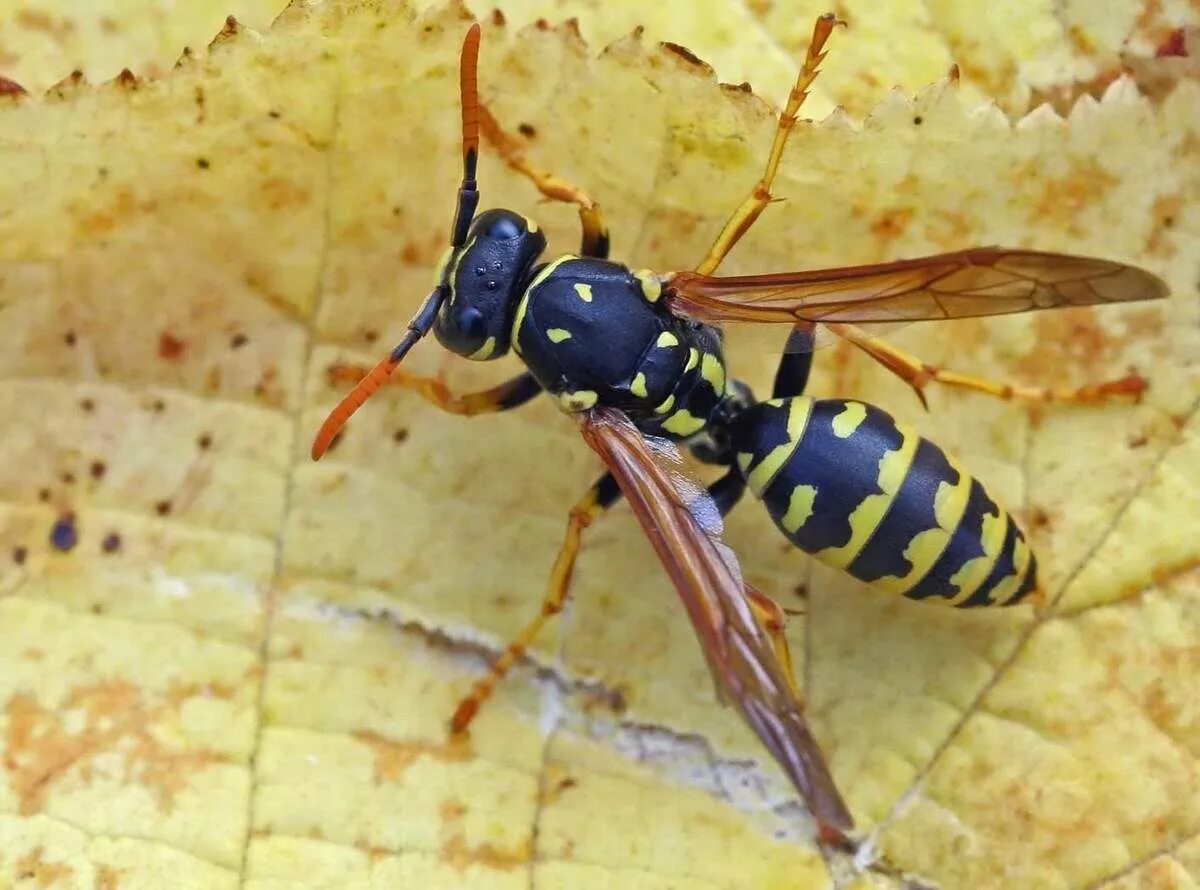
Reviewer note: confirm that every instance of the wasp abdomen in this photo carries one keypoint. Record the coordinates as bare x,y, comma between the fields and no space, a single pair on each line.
847,483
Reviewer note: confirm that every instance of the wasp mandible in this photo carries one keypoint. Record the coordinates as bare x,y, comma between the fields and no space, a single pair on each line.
636,358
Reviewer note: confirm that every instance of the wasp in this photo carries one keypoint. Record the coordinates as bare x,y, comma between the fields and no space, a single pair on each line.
635,357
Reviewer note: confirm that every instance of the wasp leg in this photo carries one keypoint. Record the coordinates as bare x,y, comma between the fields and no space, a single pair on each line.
760,196
769,615
918,374
725,492
792,376
595,232
509,394
602,495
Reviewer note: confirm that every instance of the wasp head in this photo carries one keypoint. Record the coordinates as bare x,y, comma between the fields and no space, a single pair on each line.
485,279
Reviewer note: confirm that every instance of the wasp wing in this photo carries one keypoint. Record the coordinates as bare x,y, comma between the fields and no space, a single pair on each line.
963,284
706,574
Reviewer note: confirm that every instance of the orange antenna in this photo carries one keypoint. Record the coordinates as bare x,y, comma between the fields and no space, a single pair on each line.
468,199
468,88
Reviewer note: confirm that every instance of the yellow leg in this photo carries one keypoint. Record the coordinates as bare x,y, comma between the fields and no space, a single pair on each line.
595,233
760,196
591,505
509,394
770,615
918,374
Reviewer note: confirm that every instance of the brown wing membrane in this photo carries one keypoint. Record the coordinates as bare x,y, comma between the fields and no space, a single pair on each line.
963,284
706,574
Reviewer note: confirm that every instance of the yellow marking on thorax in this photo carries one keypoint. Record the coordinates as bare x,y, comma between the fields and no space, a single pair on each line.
800,507
580,400
584,291
530,224
743,461
713,371
683,423
949,504
519,317
666,340
798,413
638,387
893,467
666,406
693,359
850,418
557,335
974,572
485,351
651,286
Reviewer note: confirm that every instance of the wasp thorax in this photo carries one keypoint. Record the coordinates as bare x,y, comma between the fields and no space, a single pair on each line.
486,278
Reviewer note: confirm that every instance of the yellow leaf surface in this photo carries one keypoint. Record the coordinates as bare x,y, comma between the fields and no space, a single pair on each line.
224,666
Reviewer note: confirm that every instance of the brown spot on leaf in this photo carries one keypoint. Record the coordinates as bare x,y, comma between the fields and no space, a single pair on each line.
107,878
202,163
111,543
526,130
170,347
19,555
32,867
460,855
204,442
97,469
10,88
281,193
109,721
237,341
1165,212
400,436
69,338
1064,198
392,759
1074,339
162,508
891,223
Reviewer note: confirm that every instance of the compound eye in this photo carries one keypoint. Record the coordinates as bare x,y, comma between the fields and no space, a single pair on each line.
469,321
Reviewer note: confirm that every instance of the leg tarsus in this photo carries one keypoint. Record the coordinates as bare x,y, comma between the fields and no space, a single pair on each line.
510,394
760,195
918,374
727,491
771,617
595,241
598,498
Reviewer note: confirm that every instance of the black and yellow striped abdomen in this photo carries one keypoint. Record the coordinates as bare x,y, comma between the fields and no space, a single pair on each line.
861,492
